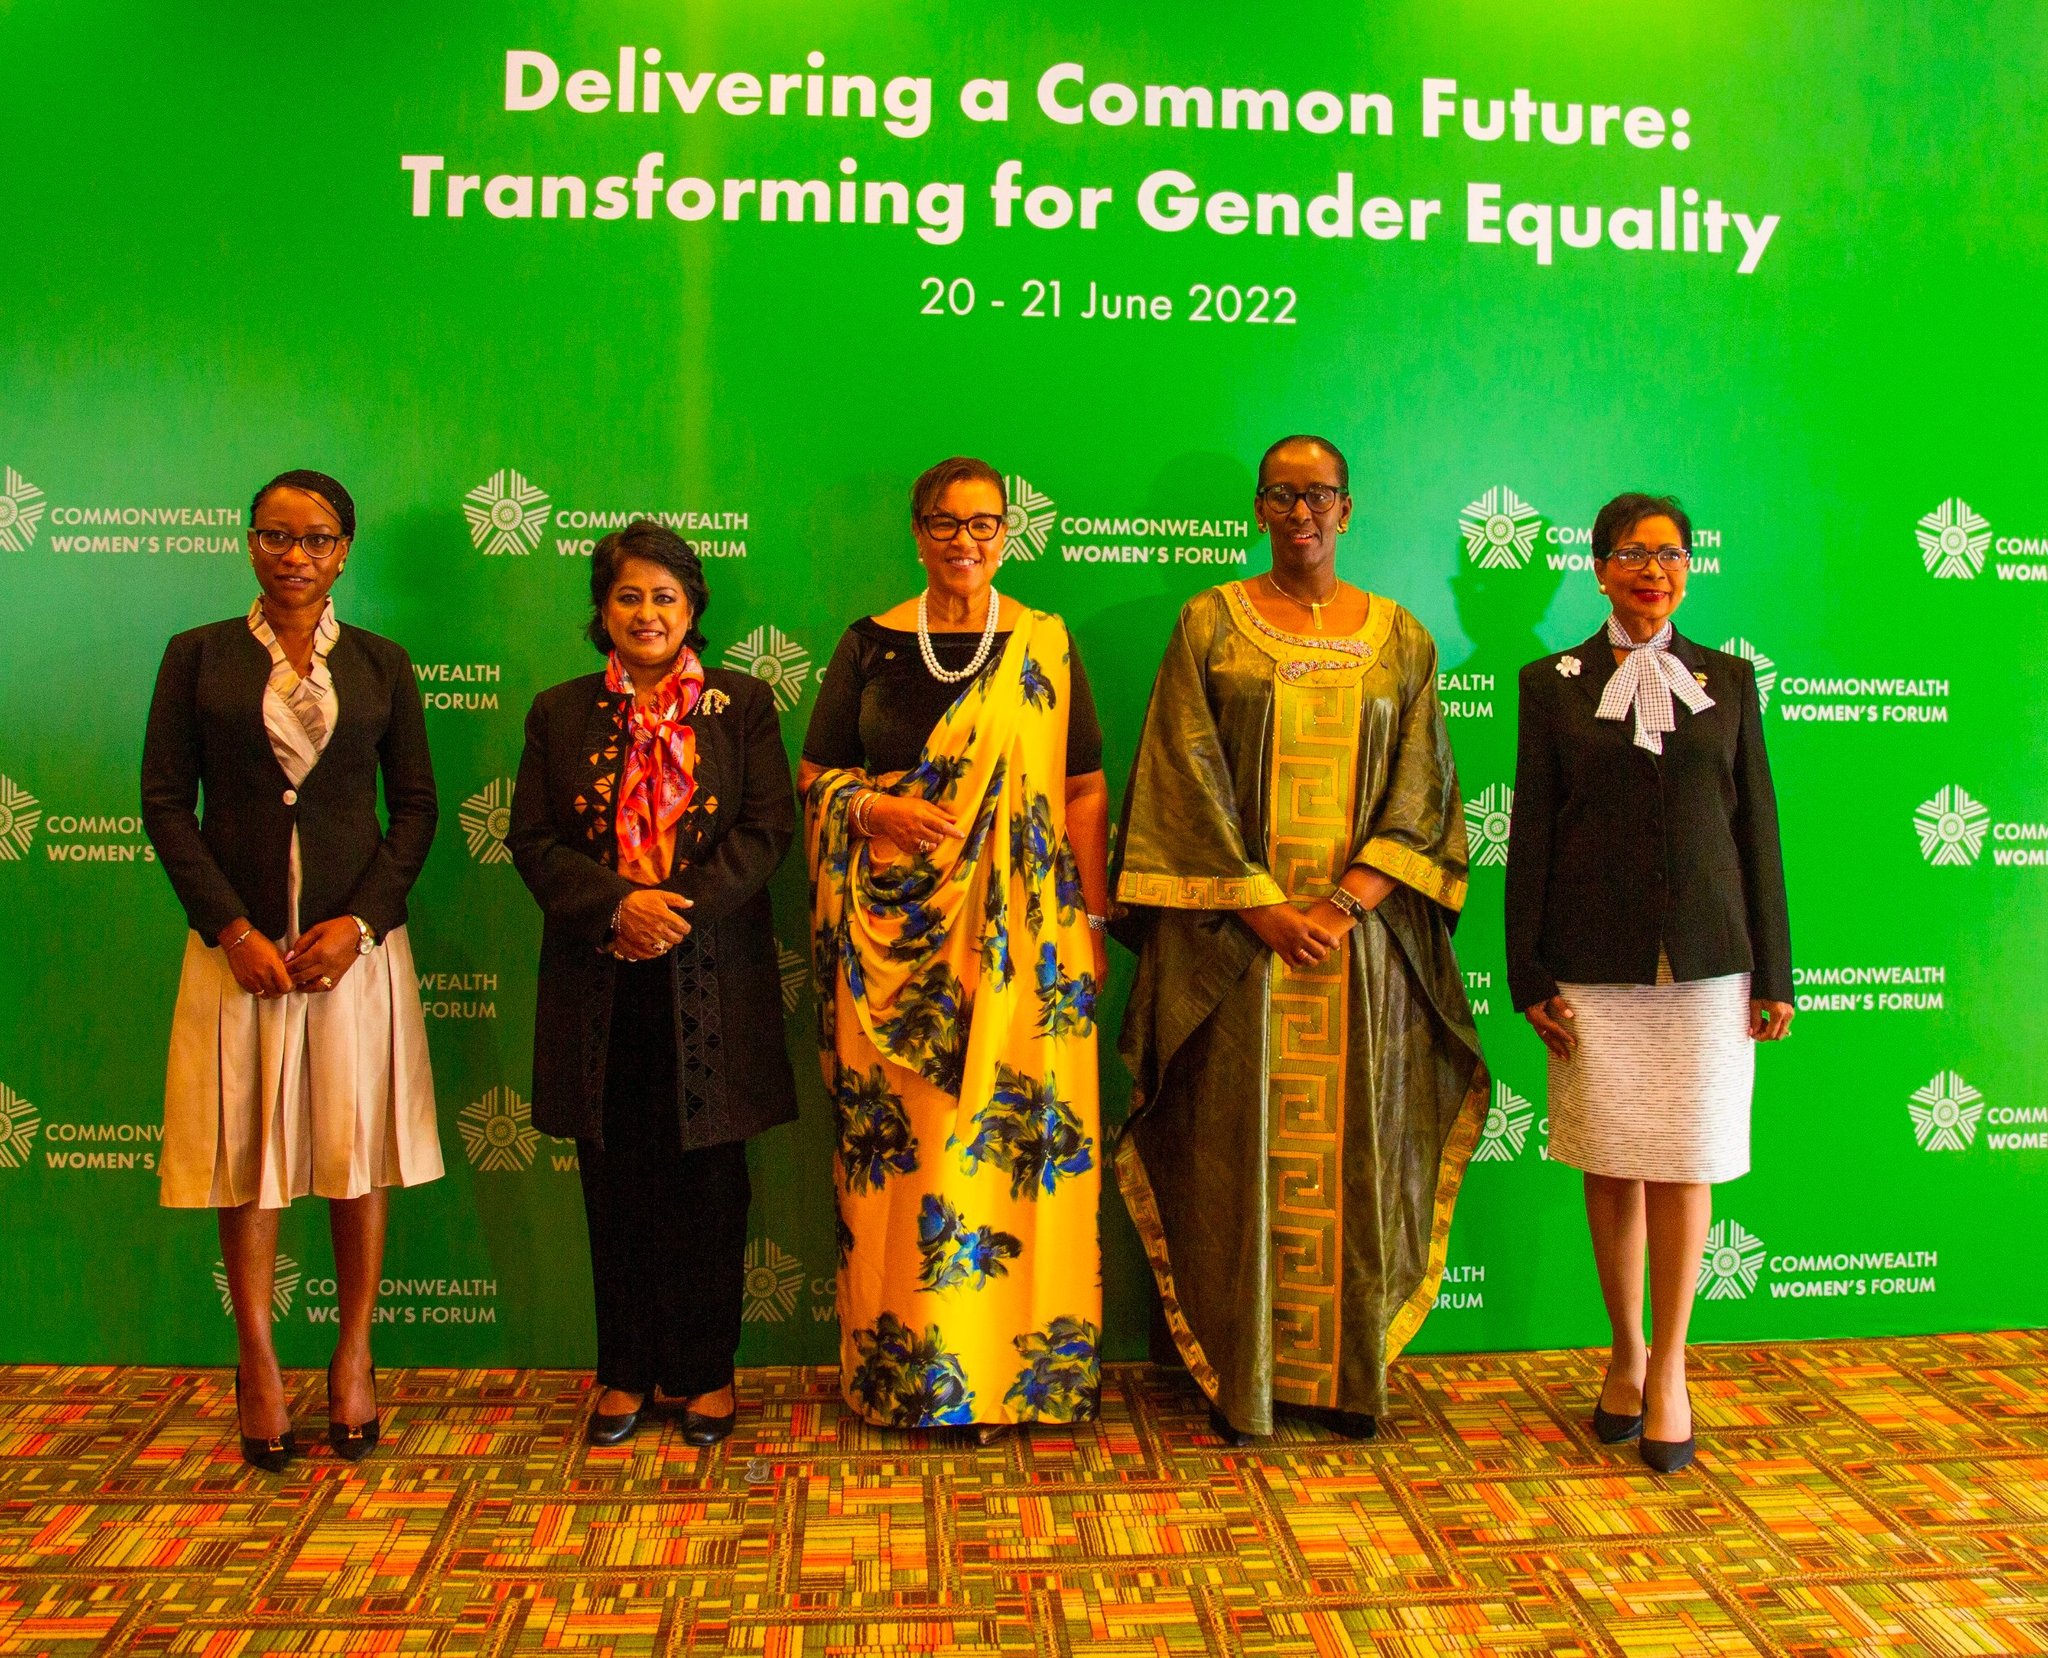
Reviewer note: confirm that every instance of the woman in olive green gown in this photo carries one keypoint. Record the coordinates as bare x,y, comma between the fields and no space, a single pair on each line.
1308,1081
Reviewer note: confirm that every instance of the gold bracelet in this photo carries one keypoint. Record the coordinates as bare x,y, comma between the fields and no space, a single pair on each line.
230,949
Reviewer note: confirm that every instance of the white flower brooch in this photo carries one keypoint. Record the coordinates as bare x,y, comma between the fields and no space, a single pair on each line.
1570,666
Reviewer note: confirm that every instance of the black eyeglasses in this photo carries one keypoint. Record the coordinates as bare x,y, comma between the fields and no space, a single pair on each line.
943,526
318,544
1281,497
1634,556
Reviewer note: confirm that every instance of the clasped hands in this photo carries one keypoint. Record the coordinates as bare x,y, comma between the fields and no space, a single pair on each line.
1299,934
649,922
318,960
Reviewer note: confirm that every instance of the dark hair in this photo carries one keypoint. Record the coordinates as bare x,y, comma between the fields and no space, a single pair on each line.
658,544
934,481
1335,454
313,483
1625,512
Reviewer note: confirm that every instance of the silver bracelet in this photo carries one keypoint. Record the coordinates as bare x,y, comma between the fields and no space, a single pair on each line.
1098,923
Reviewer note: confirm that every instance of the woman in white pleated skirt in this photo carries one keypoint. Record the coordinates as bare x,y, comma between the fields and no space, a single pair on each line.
298,1054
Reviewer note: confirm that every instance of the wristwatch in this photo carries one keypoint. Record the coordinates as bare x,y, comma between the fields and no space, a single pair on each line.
1348,904
368,940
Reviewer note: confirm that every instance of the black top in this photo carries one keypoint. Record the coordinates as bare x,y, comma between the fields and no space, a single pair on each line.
206,737
1614,851
732,1073
877,702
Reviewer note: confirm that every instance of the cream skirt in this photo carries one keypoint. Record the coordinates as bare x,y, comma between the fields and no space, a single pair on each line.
328,1095
1660,1086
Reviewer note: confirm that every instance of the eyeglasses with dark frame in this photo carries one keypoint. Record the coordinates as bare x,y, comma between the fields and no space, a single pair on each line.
1320,497
943,526
1634,556
319,544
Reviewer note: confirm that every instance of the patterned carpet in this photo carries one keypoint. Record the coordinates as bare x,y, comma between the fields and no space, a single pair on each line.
1864,1497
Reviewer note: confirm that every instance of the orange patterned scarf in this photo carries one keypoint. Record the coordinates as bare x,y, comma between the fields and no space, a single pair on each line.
660,774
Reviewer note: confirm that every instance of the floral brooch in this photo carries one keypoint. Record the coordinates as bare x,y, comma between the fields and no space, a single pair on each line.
1570,666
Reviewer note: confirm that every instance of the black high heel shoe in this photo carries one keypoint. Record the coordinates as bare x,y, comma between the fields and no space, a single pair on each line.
1668,1456
272,1454
1611,1427
351,1444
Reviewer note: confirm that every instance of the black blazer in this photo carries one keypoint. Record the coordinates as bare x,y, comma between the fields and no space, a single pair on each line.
733,1077
206,735
1613,850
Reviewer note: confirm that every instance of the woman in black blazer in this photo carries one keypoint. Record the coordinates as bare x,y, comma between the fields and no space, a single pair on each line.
298,1059
1648,943
653,803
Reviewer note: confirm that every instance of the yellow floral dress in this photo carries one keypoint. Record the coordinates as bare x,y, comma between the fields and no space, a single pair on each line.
957,1036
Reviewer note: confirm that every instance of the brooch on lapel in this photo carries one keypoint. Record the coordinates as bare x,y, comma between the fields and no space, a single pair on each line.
1570,666
1702,678
714,701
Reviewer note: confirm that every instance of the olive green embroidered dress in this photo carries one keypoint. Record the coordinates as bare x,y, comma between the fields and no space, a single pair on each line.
1297,1135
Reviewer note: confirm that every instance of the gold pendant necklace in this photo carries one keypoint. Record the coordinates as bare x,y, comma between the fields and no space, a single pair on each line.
1313,606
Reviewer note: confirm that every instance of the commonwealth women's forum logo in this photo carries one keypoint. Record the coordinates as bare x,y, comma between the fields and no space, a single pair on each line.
1945,1113
1507,1127
1500,530
795,973
18,1124
21,510
20,812
1030,517
1489,815
284,1284
1954,539
1766,670
1951,827
773,1279
486,817
769,653
506,513
497,1131
1731,1262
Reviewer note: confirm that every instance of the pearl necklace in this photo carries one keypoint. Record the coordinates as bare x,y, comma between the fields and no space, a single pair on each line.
949,676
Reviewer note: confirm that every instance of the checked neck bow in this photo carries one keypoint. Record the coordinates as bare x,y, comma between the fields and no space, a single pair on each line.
1647,679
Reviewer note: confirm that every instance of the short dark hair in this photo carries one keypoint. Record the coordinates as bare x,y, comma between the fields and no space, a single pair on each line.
1625,512
658,544
313,483
1324,444
934,481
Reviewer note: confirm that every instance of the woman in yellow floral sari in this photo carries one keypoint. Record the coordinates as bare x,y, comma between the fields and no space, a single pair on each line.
957,828
1308,1085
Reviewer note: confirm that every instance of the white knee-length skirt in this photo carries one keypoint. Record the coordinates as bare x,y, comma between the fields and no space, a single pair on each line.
328,1095
1661,1083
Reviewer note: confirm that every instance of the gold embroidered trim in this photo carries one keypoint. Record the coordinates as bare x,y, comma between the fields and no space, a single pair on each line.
1298,656
1197,892
1144,1207
1411,868
1450,1176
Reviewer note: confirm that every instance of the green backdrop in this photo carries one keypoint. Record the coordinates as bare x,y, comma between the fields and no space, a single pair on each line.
1810,305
